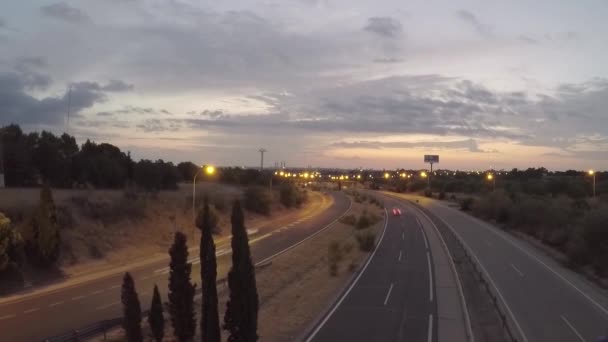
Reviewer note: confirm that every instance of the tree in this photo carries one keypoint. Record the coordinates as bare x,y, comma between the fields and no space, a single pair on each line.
131,310
43,240
210,322
155,316
187,170
241,316
10,242
181,290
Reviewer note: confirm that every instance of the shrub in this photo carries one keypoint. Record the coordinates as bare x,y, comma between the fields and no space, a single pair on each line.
466,204
366,241
10,244
334,256
366,220
495,206
214,220
428,193
442,195
257,199
349,219
595,234
219,203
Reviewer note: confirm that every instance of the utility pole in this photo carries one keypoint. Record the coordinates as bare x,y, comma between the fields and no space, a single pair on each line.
262,150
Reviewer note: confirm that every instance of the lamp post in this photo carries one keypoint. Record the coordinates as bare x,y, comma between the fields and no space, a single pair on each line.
592,174
208,170
492,179
424,175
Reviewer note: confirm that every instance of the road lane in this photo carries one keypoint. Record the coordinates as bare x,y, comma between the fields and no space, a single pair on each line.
77,306
548,302
390,300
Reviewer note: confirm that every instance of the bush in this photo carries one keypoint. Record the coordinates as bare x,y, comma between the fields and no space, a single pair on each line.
428,193
442,195
349,219
595,234
334,256
466,204
366,220
257,199
366,241
495,206
219,203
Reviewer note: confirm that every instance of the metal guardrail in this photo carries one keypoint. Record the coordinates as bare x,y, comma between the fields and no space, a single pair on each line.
508,322
98,328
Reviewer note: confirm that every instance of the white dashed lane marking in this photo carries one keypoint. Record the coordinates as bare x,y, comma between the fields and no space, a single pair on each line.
77,297
114,287
31,310
2,318
103,307
96,292
55,304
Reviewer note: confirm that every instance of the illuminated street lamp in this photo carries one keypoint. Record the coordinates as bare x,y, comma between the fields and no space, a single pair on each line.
592,174
423,174
208,169
386,175
492,179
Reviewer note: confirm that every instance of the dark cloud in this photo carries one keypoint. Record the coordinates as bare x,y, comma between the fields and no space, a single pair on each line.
157,125
214,114
65,12
384,26
117,86
527,39
467,144
105,114
478,26
31,62
20,107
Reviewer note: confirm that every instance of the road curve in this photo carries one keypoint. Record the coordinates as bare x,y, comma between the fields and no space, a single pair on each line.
37,317
393,298
548,302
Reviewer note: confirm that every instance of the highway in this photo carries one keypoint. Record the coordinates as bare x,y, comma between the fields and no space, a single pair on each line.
394,298
35,317
547,301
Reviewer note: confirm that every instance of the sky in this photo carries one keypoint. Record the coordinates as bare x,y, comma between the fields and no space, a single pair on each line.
322,83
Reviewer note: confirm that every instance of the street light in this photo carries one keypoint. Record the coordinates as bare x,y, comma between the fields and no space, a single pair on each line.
208,169
592,174
386,175
492,179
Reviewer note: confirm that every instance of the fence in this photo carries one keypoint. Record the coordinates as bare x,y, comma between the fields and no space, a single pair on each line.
510,326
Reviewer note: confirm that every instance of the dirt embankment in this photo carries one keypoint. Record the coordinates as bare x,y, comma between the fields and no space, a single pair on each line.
100,228
298,285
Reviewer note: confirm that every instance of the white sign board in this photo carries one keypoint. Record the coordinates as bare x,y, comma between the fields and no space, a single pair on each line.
431,159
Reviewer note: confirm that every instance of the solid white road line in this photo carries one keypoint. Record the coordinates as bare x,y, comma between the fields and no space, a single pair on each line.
400,252
483,269
549,268
55,304
430,333
403,236
345,294
573,329
517,270
103,307
77,297
31,310
388,294
426,243
428,260
2,318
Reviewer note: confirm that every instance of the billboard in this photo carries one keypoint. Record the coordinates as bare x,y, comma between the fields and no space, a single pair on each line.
431,158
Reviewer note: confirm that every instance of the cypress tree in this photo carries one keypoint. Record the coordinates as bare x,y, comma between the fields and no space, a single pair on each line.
210,321
131,310
155,316
241,318
181,290
42,245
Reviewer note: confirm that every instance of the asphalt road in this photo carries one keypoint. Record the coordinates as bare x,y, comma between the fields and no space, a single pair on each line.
36,317
549,302
394,298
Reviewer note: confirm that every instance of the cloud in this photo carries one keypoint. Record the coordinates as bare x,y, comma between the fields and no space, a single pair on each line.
467,144
384,26
65,12
117,86
527,39
388,60
31,62
157,125
478,26
21,108
2,23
